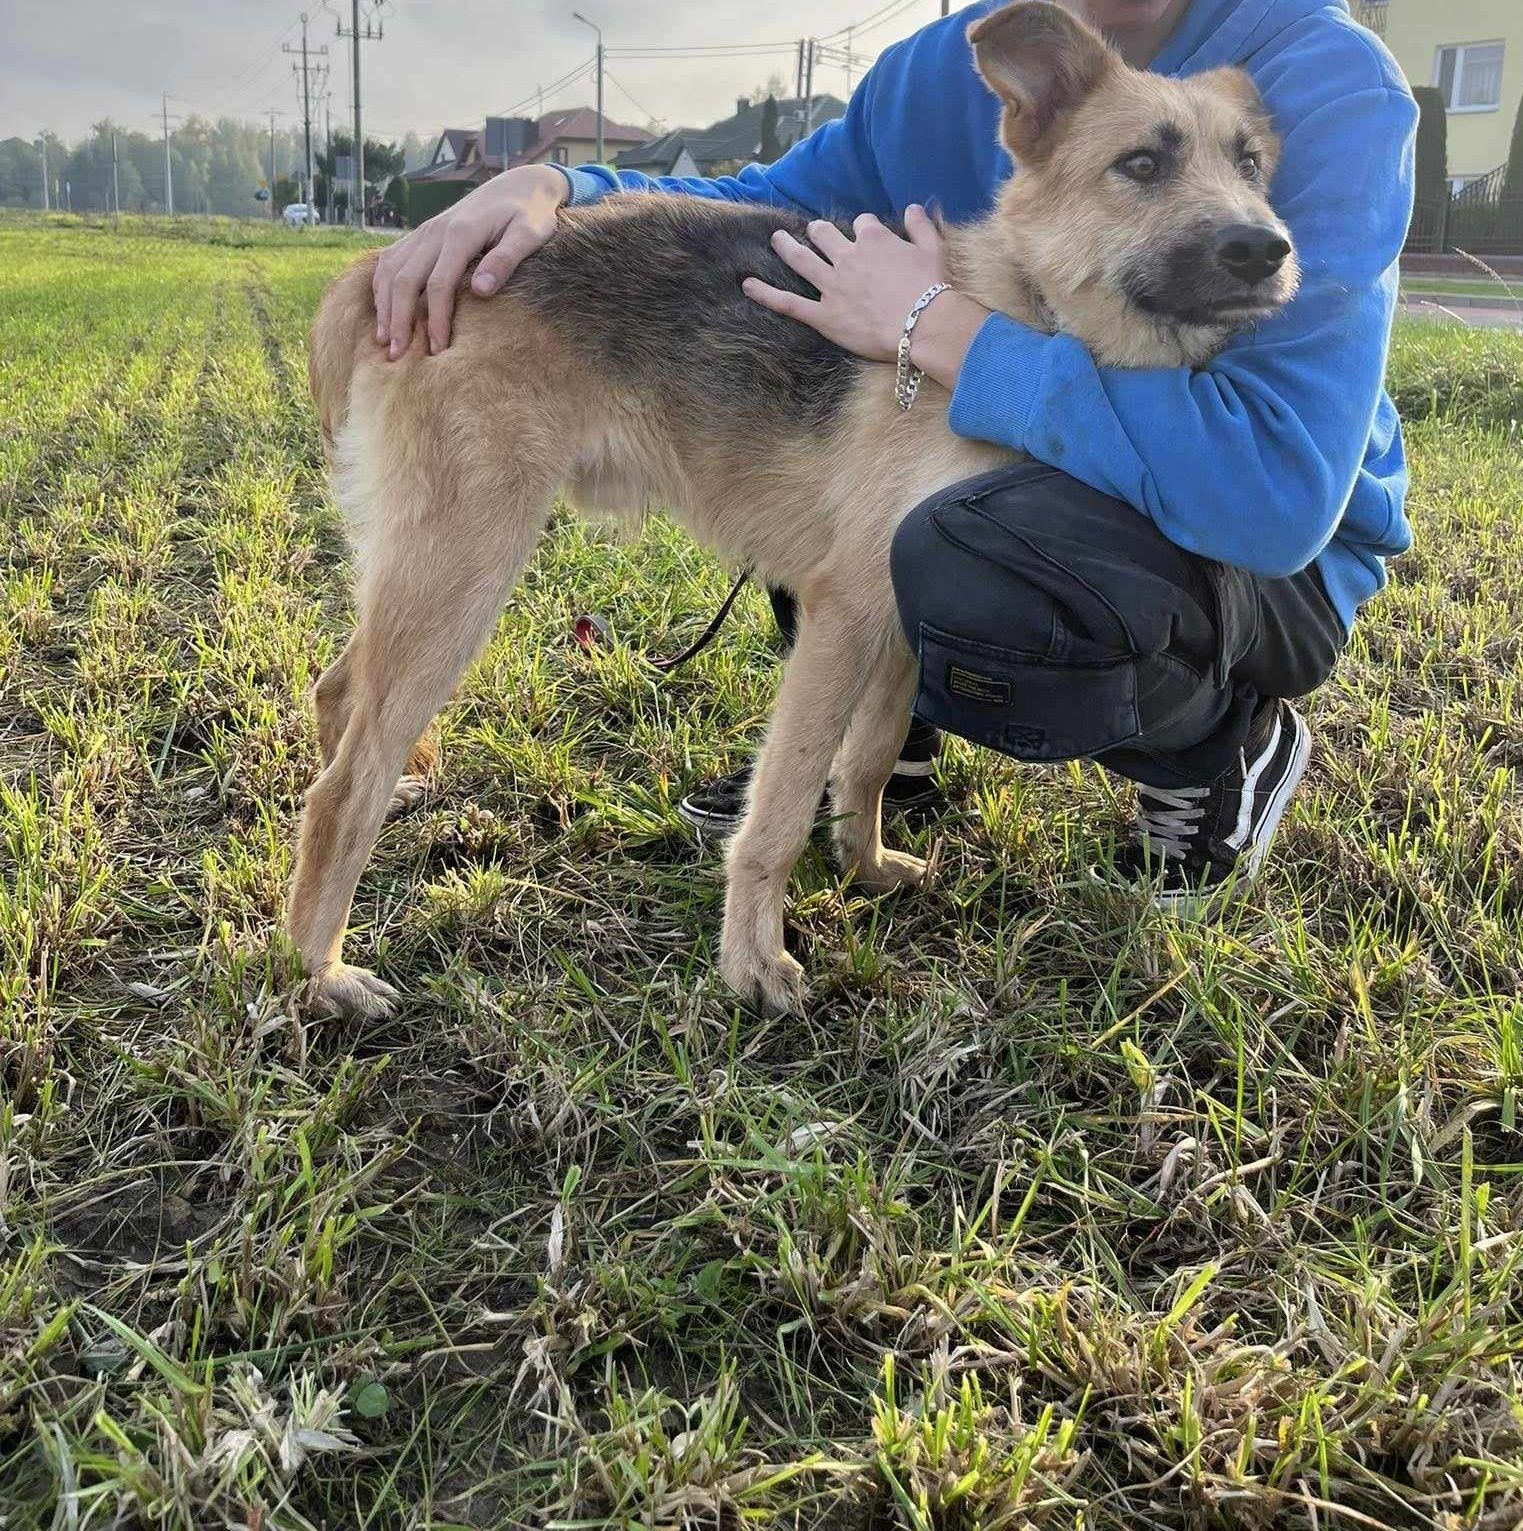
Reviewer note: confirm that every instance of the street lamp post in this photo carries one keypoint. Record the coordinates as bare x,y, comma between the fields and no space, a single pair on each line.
596,28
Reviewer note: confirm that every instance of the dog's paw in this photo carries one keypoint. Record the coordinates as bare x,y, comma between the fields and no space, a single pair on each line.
343,993
769,982
892,870
406,796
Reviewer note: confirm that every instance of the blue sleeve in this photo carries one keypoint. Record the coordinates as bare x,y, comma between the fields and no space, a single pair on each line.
830,172
1251,459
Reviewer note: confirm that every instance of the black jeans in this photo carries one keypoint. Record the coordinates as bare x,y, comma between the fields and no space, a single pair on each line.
1053,622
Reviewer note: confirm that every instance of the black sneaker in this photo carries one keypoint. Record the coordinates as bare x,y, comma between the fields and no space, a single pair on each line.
717,807
1190,844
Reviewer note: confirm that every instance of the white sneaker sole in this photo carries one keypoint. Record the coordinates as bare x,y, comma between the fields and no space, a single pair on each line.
1187,903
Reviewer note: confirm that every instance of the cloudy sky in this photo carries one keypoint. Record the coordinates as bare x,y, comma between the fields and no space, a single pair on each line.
65,65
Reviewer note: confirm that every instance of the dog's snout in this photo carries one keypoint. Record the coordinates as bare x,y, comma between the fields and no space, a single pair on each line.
1252,252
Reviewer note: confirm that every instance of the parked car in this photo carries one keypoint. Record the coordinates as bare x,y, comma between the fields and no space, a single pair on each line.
298,213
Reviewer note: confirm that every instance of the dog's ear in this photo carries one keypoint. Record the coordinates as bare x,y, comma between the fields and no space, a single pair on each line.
1041,62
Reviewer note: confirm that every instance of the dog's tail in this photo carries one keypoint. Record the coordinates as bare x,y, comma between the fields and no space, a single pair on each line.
344,326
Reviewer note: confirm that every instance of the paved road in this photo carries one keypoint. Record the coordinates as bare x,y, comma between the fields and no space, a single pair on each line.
1477,318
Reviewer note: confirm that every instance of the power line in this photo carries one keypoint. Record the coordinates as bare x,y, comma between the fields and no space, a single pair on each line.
869,20
725,50
576,75
650,115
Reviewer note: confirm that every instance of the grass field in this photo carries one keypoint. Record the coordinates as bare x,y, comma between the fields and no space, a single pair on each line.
1050,1213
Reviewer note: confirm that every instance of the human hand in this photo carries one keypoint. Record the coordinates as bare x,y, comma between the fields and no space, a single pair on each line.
866,284
504,221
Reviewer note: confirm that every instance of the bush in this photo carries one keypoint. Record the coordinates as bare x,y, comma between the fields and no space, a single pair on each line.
1515,155
1432,145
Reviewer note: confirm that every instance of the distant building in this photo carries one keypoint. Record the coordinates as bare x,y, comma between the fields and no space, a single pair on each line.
465,158
1472,50
731,143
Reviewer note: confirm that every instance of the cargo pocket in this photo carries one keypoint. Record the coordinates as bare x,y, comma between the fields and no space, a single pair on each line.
1025,705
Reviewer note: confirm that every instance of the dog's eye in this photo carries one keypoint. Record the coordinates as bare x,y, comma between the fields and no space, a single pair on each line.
1248,166
1140,166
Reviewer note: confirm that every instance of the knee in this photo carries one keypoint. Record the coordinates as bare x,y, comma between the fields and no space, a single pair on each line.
998,557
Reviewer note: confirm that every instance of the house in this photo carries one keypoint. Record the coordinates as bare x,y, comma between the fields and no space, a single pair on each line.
571,138
1472,50
465,158
735,141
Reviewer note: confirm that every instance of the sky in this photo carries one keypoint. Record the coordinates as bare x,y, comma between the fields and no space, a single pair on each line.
64,64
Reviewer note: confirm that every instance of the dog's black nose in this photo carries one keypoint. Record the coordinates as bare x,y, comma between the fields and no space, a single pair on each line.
1252,252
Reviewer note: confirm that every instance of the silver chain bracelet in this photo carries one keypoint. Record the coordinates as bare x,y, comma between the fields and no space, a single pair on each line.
907,378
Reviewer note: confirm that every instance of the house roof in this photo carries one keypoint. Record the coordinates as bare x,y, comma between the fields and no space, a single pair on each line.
468,159
663,152
737,137
582,122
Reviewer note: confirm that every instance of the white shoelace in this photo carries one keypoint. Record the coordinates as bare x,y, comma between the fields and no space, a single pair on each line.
1169,818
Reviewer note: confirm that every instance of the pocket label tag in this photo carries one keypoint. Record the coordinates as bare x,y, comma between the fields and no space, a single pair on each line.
975,687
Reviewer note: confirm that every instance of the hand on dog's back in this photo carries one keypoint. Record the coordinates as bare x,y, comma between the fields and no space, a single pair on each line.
419,276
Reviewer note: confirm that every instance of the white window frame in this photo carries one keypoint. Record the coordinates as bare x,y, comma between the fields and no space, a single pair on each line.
1459,50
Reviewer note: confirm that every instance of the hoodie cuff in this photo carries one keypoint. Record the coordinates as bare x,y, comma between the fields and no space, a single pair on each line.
997,388
587,183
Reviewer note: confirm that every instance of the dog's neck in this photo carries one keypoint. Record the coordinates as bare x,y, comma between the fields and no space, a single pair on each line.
984,267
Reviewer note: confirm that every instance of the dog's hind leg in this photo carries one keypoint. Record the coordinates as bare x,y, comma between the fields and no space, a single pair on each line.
427,603
862,769
332,701
820,691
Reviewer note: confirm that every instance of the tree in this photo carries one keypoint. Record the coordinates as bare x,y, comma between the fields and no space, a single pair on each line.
1515,156
1432,146
20,173
770,147
399,194
776,86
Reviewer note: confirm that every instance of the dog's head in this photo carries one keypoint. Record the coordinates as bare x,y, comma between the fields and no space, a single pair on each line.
1140,206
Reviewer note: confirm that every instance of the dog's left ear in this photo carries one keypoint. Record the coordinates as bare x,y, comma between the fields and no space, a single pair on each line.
1041,62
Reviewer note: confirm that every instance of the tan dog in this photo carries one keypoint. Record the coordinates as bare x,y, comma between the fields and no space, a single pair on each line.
624,365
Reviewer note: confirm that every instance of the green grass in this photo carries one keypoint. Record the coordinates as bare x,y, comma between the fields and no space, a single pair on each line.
1050,1213
1488,287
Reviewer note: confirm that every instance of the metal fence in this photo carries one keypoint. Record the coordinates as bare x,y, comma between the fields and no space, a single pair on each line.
1483,218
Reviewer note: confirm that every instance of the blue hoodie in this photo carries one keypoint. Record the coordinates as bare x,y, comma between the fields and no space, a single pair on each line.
1285,449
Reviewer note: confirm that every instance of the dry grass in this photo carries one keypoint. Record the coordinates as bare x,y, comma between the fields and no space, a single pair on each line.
1051,1213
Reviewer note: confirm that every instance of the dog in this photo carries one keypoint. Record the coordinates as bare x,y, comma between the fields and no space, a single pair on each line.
623,365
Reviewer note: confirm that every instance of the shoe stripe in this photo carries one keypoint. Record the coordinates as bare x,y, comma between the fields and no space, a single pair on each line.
1244,826
1274,811
914,768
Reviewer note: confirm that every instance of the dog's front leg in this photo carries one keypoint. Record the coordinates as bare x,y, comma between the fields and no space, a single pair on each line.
863,767
821,688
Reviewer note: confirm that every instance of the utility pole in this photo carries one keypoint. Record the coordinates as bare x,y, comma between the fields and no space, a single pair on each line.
42,149
371,33
305,71
272,164
809,90
944,5
328,180
169,175
584,21
116,186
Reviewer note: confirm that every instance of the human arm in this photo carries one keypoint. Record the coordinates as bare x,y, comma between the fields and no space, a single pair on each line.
1251,459
502,222
512,215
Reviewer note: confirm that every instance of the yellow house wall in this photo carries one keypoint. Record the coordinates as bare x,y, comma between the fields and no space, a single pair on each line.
1416,29
584,151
